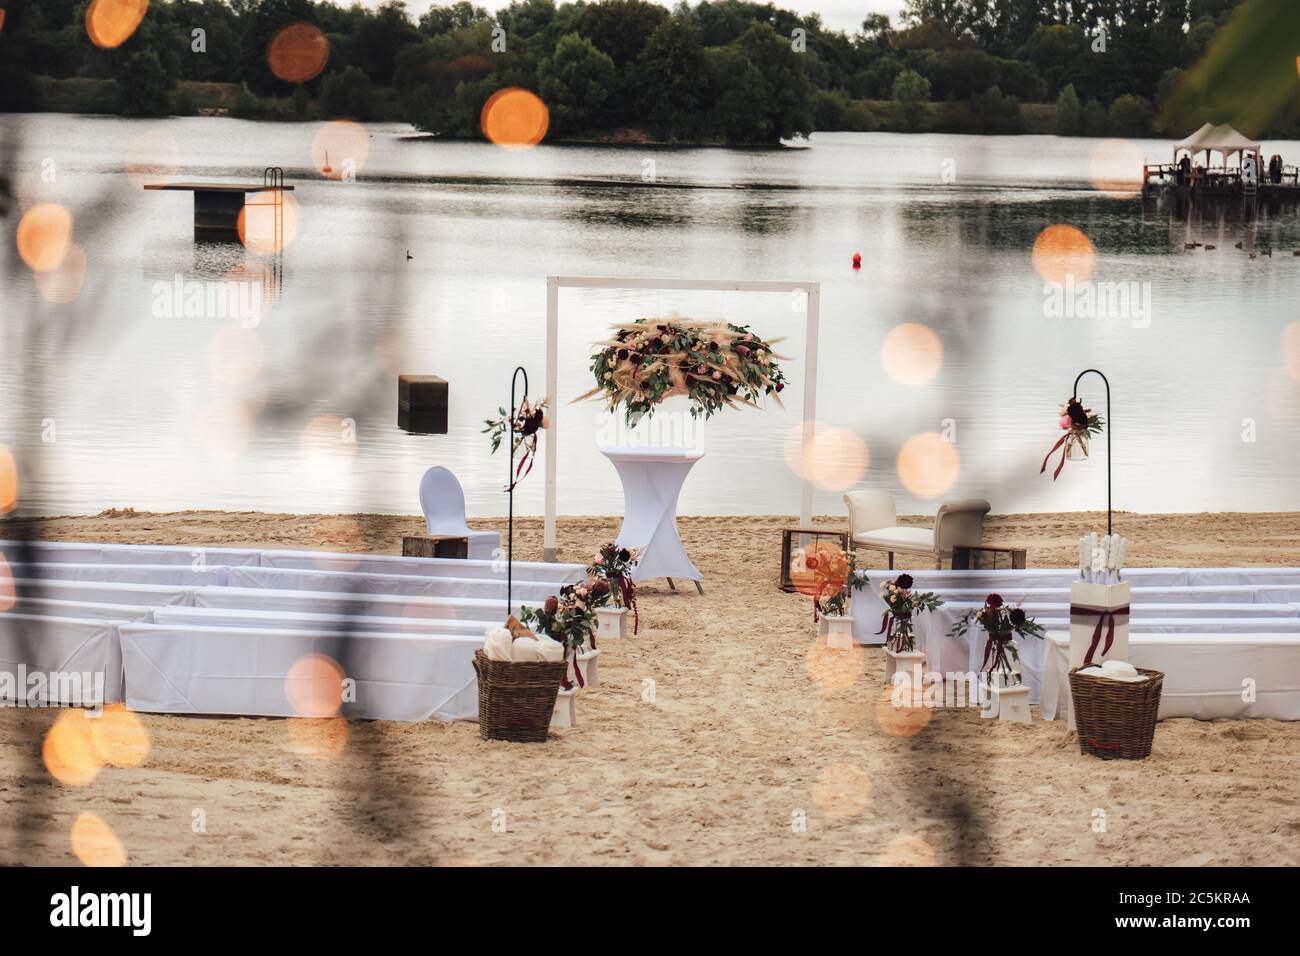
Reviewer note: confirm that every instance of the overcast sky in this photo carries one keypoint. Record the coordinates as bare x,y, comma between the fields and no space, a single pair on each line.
846,15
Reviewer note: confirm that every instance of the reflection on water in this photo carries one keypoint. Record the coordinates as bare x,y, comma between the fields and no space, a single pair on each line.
169,411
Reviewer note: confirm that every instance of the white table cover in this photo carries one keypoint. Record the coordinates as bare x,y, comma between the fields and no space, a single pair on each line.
63,646
109,592
99,610
557,574
123,573
236,617
360,605
1205,674
83,552
180,669
652,481
290,579
867,623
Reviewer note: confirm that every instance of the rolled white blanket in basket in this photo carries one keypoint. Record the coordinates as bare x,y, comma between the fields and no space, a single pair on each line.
497,644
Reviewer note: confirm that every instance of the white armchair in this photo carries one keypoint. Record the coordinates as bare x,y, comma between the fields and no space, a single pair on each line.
873,524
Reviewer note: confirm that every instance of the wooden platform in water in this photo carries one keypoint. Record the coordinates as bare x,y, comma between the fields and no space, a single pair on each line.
216,187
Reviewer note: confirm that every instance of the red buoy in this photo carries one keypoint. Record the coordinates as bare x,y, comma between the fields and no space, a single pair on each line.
857,260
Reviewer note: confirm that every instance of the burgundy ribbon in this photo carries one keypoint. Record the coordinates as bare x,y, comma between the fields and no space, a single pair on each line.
1104,615
627,588
1000,661
887,625
1064,451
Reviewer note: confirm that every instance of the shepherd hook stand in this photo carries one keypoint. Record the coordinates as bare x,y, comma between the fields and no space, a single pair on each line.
1110,423
510,489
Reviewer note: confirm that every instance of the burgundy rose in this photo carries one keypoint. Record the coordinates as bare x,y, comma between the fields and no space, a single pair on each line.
904,581
625,555
600,588
1076,412
635,358
1018,617
552,605
994,601
810,563
780,386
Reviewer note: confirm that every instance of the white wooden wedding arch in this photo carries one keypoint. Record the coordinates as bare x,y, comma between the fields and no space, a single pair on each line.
812,303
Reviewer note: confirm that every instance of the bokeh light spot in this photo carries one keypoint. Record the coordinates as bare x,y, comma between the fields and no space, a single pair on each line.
257,226
900,719
928,465
514,118
1290,355
1115,168
319,738
842,791
835,459
8,591
224,429
314,686
1063,252
819,569
8,480
69,750
912,354
119,737
298,53
833,668
908,851
339,149
151,157
62,284
235,355
44,234
95,843
110,23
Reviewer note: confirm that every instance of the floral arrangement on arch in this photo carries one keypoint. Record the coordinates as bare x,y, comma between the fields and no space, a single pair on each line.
529,419
999,623
835,575
570,617
714,364
902,604
1079,424
614,566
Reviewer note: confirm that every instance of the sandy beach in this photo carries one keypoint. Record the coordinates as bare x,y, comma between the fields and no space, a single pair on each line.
720,735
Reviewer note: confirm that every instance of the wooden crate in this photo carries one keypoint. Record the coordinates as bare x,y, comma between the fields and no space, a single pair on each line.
434,546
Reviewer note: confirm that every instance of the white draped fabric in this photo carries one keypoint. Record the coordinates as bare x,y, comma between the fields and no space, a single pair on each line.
98,610
122,573
355,603
82,552
652,481
237,617
556,574
71,652
290,579
1207,676
181,669
105,592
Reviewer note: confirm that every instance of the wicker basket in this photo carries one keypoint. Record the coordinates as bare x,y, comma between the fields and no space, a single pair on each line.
1116,719
516,700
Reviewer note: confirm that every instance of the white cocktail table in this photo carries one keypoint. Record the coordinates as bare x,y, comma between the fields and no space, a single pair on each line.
652,480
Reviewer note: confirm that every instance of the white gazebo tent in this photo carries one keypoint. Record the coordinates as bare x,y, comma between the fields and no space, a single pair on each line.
1221,139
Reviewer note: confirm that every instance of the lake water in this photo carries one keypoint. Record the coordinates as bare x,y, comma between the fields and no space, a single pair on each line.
118,405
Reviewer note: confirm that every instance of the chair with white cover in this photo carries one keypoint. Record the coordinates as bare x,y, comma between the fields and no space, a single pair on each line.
873,524
443,502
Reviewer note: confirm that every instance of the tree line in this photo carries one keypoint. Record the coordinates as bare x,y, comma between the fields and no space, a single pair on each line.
726,71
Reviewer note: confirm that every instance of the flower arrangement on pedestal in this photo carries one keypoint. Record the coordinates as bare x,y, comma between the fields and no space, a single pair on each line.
835,576
528,419
902,603
614,566
1079,424
1000,623
714,364
569,618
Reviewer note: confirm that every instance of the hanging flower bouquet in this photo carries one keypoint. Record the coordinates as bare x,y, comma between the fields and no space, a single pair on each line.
614,565
714,364
570,618
1079,425
1001,624
901,604
835,575
528,419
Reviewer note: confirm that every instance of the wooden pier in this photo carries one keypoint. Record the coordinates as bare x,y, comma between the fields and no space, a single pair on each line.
217,206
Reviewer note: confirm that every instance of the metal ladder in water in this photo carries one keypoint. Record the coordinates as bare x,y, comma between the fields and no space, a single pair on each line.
273,181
